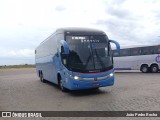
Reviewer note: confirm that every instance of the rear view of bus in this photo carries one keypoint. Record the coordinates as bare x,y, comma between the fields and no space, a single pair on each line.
82,59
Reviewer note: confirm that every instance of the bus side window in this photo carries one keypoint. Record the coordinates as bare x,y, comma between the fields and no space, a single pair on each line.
125,52
109,50
151,50
157,50
62,50
135,51
63,56
115,53
147,50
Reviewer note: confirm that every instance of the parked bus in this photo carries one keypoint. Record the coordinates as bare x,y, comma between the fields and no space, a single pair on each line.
143,58
76,58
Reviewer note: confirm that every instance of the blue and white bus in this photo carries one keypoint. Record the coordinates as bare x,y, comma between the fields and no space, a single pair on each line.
143,58
76,58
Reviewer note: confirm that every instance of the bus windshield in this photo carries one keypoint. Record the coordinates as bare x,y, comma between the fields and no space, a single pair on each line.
89,53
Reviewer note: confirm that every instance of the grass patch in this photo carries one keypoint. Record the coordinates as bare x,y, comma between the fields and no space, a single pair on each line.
17,66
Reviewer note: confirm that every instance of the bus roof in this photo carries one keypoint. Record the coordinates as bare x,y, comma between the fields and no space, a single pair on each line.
76,31
80,31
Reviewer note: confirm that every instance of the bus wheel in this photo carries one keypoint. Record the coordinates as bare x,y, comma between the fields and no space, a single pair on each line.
61,86
41,78
154,68
144,68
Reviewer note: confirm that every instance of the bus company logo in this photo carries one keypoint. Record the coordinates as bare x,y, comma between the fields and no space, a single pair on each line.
158,58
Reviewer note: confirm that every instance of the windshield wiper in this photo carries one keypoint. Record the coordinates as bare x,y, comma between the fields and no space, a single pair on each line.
101,62
87,61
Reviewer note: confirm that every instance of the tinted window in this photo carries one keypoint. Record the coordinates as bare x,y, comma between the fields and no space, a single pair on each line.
115,53
125,52
147,50
135,51
157,49
88,53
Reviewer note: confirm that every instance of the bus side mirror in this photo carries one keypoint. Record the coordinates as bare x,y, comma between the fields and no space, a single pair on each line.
65,46
117,45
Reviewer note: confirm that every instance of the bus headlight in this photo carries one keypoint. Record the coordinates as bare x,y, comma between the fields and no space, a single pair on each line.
76,77
111,74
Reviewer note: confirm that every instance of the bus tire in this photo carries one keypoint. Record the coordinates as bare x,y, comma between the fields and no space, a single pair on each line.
154,68
144,68
60,84
62,87
41,78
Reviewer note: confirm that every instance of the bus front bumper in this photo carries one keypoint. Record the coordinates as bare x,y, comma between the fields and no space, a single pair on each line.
79,84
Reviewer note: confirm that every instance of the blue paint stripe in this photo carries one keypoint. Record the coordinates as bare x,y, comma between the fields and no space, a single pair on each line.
122,68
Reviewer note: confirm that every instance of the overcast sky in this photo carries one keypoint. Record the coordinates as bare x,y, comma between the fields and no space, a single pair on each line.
26,23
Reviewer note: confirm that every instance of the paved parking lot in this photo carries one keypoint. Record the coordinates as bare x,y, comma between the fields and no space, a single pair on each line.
21,90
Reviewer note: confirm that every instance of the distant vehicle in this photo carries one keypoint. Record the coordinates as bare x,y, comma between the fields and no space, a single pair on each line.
76,58
144,58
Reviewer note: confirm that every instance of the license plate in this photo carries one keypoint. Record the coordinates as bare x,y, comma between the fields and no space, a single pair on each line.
95,84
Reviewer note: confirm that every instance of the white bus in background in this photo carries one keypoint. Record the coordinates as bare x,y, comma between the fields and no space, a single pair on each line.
143,58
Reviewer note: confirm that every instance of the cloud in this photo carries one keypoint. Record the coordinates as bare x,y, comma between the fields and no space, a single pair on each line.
116,8
19,53
118,13
25,24
17,56
22,53
60,8
132,22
